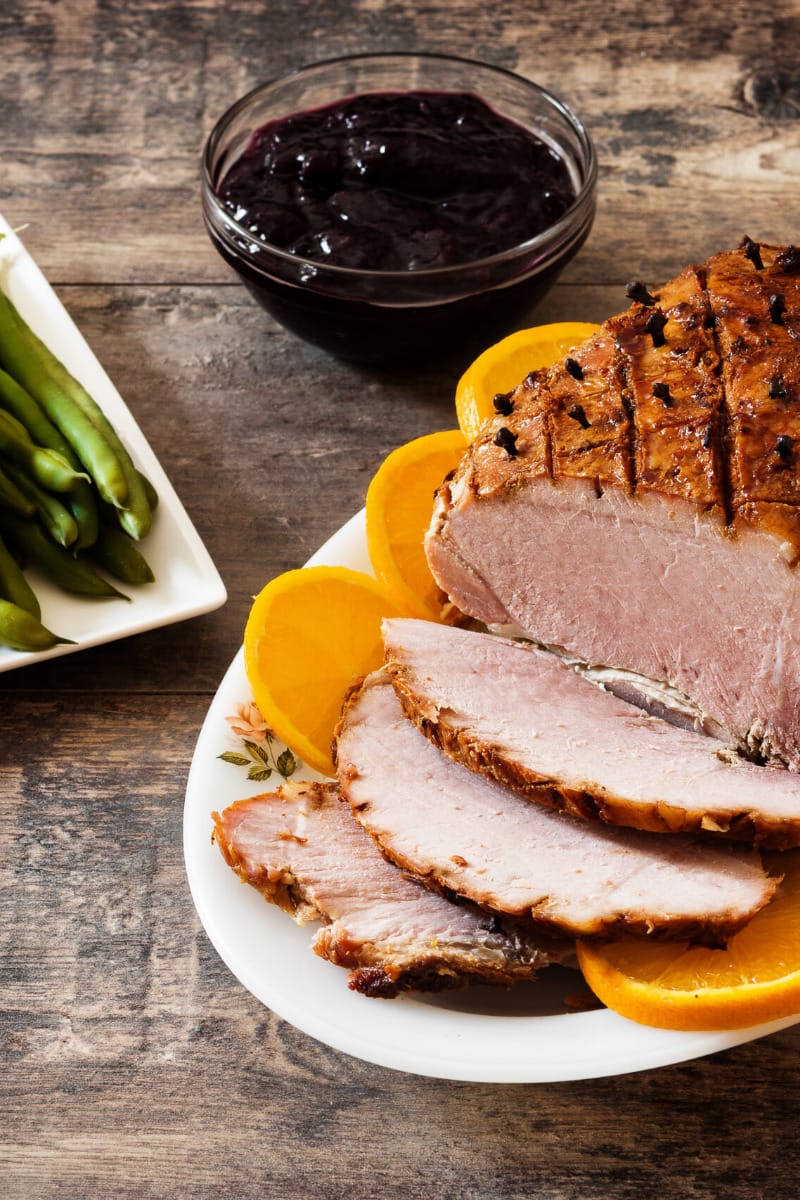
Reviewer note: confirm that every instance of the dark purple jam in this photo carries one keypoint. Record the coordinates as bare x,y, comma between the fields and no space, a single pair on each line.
397,182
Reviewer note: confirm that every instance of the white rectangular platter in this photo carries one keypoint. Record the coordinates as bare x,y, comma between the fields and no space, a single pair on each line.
186,581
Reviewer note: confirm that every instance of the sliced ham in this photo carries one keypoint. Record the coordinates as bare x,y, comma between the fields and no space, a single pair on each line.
301,848
520,715
460,831
639,508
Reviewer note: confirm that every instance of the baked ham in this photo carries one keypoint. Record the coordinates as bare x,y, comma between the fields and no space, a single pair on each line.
460,831
301,848
639,508
521,716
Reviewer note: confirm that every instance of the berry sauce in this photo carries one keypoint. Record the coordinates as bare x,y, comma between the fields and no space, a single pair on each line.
396,182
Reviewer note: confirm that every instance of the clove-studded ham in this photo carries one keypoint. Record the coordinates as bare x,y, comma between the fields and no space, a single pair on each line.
301,848
458,830
520,715
639,508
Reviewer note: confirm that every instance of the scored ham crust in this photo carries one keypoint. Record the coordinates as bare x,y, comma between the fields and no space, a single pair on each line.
301,848
457,830
639,507
521,716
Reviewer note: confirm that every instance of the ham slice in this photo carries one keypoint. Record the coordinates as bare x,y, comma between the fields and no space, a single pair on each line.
301,848
460,831
639,508
520,715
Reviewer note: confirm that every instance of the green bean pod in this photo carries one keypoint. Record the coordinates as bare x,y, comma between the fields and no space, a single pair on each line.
81,500
12,498
117,554
21,630
29,412
13,584
149,491
68,571
48,467
82,504
56,518
135,514
25,357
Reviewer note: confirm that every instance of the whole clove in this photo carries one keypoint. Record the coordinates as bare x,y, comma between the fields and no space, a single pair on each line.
788,260
753,252
637,291
661,392
503,404
578,414
507,441
655,326
777,307
574,368
783,447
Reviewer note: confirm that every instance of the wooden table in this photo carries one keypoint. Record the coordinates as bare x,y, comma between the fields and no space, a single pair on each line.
134,1064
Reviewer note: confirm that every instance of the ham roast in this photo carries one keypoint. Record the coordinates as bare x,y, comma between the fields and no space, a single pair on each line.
301,848
460,831
521,716
639,505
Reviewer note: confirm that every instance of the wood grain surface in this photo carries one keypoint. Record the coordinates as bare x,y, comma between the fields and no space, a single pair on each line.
133,1063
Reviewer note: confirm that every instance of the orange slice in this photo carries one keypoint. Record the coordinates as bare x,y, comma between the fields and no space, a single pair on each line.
675,986
399,506
504,366
309,634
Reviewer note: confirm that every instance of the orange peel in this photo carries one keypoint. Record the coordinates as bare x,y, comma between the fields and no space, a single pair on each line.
309,634
398,512
504,365
755,979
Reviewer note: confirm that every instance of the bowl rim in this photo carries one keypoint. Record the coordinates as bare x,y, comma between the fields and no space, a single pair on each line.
551,238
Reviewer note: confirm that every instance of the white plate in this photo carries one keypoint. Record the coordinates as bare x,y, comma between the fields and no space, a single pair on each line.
482,1034
187,582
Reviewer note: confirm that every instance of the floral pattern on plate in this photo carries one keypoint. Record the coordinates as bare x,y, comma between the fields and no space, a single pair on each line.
258,749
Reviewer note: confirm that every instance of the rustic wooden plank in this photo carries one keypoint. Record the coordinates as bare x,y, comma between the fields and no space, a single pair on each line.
684,113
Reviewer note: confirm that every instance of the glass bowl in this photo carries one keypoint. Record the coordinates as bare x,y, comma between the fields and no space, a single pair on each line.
401,316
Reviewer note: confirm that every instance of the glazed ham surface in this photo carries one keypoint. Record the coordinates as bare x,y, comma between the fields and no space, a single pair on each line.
640,506
481,840
521,716
301,848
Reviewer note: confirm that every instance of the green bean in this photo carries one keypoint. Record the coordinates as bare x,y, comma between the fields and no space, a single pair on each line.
13,584
81,501
48,467
40,428
21,630
66,570
27,359
135,515
149,491
117,554
12,498
83,506
57,520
